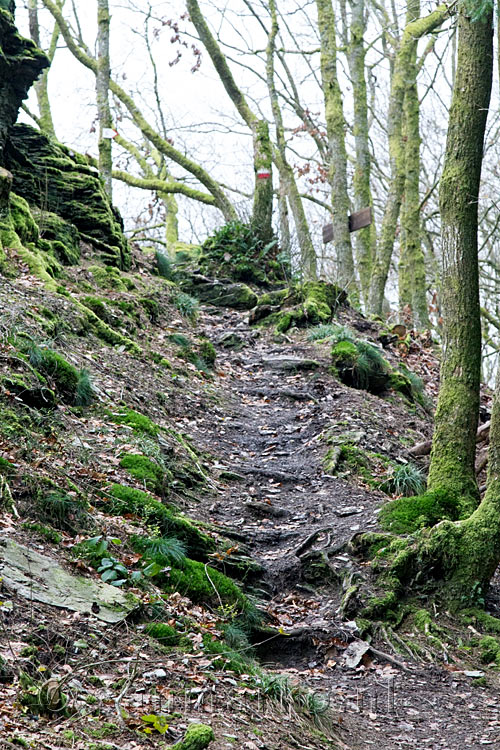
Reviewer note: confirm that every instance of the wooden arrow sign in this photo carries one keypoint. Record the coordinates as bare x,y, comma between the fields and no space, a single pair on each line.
358,220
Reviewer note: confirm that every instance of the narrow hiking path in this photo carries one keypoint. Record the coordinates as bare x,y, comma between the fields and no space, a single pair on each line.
277,404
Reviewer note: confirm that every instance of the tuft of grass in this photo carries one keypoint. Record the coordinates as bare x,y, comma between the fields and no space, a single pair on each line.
187,306
331,331
408,514
85,392
407,480
161,549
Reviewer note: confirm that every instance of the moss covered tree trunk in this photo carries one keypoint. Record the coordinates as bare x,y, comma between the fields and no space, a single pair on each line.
454,442
45,121
102,92
337,156
288,185
262,211
365,239
400,76
412,276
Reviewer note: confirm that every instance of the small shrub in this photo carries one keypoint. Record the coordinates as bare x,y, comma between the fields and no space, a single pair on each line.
160,549
490,649
407,514
207,352
229,658
407,480
332,332
151,307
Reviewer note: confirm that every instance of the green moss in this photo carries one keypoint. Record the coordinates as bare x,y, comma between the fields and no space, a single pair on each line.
124,500
198,737
138,422
6,467
42,531
202,583
207,352
482,619
361,365
489,649
163,633
229,659
62,374
108,278
98,306
408,514
62,235
23,222
321,301
105,332
106,729
151,307
146,471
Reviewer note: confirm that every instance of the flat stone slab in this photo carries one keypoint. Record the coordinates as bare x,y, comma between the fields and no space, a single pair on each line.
35,576
286,362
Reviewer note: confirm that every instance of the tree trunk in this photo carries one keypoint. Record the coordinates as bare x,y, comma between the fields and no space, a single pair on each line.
337,156
102,92
412,287
454,442
45,120
401,73
365,239
262,212
288,185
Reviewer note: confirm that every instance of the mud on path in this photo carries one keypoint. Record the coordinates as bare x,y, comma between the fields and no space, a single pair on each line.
276,407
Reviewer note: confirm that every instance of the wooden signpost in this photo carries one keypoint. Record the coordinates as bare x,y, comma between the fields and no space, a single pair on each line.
358,220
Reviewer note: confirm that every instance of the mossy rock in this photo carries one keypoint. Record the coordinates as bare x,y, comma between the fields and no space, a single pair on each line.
360,365
36,396
63,236
62,374
127,500
309,304
218,293
108,278
198,737
153,476
408,514
204,584
54,179
489,649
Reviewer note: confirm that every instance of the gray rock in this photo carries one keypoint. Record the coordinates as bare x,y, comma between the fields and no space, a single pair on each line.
35,576
220,293
288,362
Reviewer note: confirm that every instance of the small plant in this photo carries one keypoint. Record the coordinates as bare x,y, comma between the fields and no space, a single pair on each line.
407,480
187,306
61,510
85,392
160,549
332,332
163,633
407,514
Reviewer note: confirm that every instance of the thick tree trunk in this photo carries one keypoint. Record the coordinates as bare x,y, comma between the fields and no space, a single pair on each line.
454,442
102,92
262,212
337,156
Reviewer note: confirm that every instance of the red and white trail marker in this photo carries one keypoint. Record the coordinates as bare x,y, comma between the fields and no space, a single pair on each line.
263,174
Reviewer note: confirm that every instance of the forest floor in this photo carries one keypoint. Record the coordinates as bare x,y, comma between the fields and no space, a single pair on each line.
264,422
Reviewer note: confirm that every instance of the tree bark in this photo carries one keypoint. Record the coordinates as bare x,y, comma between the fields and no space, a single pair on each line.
365,239
412,33
102,93
337,156
454,441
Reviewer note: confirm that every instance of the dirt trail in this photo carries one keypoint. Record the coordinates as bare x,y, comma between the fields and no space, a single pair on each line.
268,432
